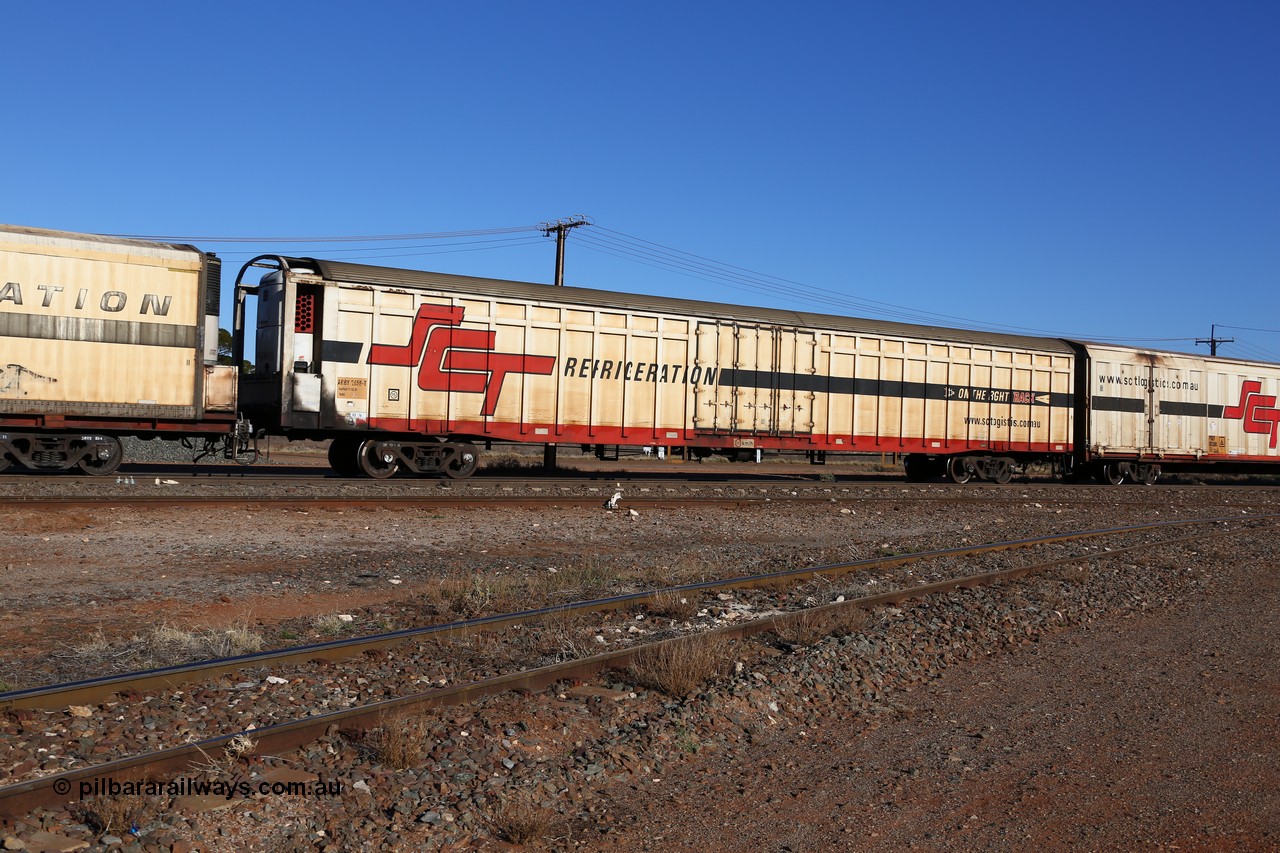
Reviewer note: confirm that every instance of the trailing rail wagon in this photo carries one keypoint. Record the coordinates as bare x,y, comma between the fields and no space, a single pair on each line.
415,370
101,338
1151,410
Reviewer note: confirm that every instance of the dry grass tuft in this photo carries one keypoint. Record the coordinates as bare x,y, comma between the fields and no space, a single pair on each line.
519,820
673,604
589,577
1075,574
565,636
688,569
401,741
239,746
680,667
808,627
474,595
165,645
224,764
117,814
166,642
331,624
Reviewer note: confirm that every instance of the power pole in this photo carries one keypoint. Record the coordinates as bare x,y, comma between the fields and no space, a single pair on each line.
1213,340
561,228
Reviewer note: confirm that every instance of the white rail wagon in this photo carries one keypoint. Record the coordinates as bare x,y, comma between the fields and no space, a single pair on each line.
410,369
1148,410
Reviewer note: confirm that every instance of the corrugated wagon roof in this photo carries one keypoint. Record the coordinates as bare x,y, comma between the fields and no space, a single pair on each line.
419,280
52,237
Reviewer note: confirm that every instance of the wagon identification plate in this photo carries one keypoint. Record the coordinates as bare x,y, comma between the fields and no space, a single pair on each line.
353,388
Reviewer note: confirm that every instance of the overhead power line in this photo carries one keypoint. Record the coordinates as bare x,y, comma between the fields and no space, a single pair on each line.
648,253
1252,350
1250,329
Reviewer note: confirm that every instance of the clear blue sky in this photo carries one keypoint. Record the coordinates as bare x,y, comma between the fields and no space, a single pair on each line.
1094,168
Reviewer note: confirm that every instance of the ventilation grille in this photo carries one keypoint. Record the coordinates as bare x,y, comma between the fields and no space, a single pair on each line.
304,322
212,285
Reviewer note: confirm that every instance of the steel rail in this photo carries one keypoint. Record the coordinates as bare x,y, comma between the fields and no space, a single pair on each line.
93,690
55,790
424,500
575,500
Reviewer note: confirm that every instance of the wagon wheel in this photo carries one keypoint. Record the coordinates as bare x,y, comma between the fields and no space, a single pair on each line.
1147,474
343,456
1111,474
959,469
1004,471
104,460
5,461
378,460
462,461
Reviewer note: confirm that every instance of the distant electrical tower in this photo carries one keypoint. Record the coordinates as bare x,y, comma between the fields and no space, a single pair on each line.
1213,340
561,228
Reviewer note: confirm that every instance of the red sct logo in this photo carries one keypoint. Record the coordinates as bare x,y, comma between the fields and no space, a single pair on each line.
455,359
1257,409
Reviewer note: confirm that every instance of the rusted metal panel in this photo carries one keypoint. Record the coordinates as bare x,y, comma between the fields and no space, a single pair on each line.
220,388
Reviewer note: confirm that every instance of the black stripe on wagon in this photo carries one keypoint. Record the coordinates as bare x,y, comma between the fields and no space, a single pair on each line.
97,330
344,352
889,388
1193,410
1119,404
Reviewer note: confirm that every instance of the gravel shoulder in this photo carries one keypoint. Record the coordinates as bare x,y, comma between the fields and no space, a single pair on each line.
1138,731
1130,705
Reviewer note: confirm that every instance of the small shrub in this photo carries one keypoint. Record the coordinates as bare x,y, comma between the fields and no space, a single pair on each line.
401,741
475,595
519,820
1053,598
680,667
686,741
116,814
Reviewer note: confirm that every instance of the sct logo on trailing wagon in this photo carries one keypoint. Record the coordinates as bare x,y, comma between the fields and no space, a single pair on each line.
1257,410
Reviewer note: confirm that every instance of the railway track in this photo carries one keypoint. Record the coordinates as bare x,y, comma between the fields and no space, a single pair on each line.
523,493
285,735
